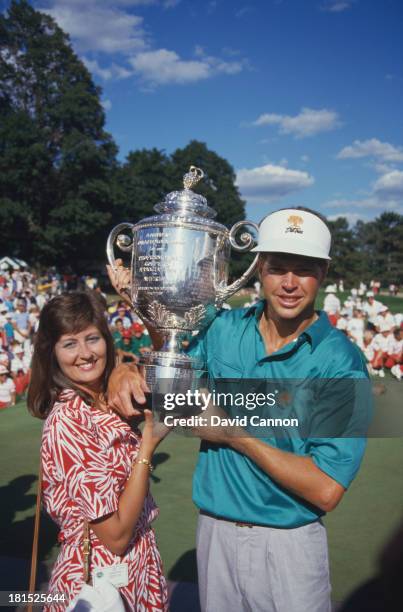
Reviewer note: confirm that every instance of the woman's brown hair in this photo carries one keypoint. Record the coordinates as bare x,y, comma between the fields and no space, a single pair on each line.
68,313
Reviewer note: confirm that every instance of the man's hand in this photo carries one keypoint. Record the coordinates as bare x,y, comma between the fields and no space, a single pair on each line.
216,433
120,280
125,387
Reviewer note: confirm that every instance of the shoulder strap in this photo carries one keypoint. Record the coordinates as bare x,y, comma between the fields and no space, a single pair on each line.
86,552
34,557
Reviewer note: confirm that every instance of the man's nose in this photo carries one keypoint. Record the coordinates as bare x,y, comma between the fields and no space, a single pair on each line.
289,281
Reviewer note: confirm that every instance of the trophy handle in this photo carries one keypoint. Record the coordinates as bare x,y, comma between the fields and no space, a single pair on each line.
248,241
125,243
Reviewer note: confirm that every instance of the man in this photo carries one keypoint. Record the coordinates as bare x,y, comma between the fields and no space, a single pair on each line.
380,345
342,322
9,329
385,316
21,323
356,327
331,304
260,543
7,389
20,368
141,342
117,330
372,307
125,348
123,314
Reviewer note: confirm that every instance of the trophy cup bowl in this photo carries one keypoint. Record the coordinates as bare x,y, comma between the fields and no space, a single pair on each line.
179,274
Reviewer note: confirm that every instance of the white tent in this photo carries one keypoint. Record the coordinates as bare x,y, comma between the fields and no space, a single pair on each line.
13,263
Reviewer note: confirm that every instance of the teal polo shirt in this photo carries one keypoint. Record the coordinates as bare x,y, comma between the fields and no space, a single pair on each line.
228,484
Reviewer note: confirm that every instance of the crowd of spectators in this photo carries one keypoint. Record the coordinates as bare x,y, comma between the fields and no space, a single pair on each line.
368,322
362,317
20,306
22,296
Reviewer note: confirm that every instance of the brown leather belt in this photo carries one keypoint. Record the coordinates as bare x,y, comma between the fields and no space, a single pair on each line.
228,520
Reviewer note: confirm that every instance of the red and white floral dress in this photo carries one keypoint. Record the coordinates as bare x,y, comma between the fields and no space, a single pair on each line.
86,460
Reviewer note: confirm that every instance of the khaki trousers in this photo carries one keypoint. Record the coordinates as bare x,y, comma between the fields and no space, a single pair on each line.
262,569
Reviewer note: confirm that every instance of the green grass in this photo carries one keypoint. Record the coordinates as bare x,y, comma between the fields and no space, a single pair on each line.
357,529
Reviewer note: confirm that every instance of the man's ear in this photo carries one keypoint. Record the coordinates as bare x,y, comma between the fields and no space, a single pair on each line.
324,270
259,267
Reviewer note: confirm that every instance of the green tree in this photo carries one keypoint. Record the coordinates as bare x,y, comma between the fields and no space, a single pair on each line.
345,256
142,181
56,160
381,245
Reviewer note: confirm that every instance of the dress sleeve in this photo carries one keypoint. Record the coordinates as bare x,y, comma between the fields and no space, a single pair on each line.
82,463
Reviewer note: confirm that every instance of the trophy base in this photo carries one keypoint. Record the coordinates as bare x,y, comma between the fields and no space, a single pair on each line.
169,359
174,380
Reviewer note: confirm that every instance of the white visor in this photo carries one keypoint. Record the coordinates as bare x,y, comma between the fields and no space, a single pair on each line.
294,231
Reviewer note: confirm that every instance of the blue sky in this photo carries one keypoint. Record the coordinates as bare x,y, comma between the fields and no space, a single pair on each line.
303,97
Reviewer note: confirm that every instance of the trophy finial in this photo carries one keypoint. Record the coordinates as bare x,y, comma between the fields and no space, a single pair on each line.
192,177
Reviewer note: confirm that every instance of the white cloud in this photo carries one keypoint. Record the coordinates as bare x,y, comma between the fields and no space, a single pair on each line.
218,65
336,6
99,28
372,148
79,4
369,202
108,28
114,71
107,104
269,182
382,168
161,66
230,52
199,51
305,158
389,187
243,11
307,123
386,194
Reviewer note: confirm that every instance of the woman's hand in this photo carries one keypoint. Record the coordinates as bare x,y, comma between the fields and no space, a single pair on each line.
153,434
125,387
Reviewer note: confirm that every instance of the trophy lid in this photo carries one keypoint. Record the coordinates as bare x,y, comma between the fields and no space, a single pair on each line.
186,201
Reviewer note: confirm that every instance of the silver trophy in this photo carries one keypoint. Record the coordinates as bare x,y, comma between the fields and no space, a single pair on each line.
179,272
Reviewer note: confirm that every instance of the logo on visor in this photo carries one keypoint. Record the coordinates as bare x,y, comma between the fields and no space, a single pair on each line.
295,224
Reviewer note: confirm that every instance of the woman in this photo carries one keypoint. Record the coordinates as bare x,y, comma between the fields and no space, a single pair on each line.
95,468
7,388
